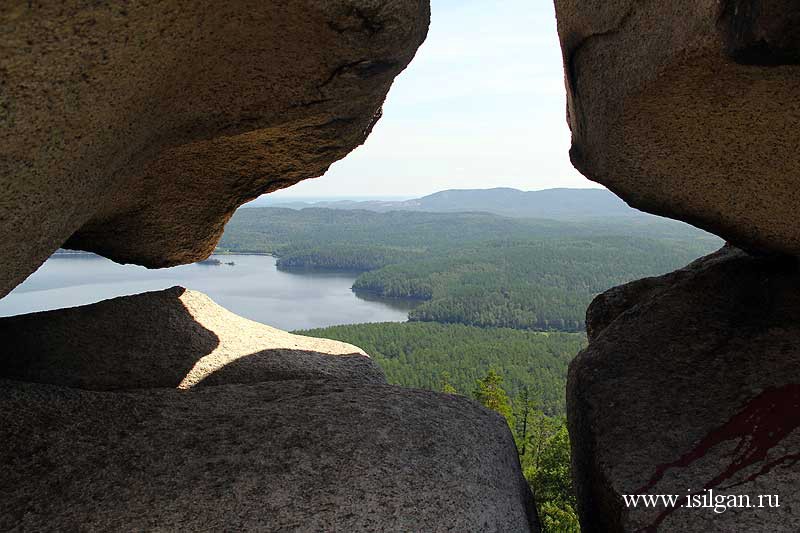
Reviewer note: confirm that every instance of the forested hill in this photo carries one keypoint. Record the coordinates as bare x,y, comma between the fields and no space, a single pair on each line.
273,229
556,204
473,268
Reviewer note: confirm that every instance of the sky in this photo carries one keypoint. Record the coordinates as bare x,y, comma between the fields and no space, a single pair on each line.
481,105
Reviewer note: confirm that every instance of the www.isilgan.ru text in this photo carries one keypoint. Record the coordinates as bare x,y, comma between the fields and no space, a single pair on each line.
707,499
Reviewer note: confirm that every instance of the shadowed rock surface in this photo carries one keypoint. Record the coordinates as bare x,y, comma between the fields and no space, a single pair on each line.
171,338
135,129
690,109
282,456
691,381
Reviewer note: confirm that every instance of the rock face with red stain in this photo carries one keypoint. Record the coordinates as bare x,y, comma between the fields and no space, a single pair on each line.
134,129
690,386
690,109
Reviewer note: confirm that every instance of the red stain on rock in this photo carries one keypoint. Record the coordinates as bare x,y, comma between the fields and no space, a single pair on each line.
763,422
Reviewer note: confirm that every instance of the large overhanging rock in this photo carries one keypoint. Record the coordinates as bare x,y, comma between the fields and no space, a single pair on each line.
301,456
171,338
690,386
135,129
690,109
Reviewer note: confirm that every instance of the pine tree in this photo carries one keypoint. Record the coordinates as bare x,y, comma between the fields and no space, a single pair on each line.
524,412
490,393
444,383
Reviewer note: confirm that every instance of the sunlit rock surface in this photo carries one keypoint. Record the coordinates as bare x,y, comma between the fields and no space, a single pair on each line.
690,109
171,338
691,382
135,129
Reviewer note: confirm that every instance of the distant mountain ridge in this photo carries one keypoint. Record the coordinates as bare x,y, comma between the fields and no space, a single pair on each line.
557,204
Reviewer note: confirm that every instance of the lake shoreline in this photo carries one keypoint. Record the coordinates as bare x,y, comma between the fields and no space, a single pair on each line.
63,253
253,288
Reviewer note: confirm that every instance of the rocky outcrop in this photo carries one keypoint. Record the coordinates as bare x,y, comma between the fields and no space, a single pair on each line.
171,338
203,420
689,109
690,386
301,456
135,129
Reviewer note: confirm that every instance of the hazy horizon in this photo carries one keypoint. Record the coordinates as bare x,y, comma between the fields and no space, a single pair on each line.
284,198
482,105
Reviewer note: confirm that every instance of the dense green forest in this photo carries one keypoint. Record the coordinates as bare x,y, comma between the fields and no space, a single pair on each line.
540,285
473,268
519,374
421,355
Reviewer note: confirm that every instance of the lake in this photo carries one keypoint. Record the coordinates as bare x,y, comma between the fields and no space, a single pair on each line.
253,288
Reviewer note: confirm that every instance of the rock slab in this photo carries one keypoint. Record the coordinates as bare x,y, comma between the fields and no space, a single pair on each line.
300,456
171,338
690,385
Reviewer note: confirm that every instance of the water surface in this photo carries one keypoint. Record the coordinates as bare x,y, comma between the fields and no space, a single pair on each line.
252,288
